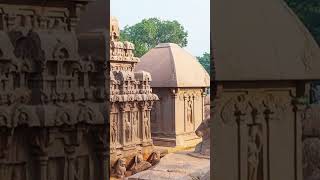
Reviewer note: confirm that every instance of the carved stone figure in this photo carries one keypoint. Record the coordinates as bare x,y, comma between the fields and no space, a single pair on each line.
114,130
189,112
139,164
254,152
120,168
128,127
202,149
134,125
146,124
155,158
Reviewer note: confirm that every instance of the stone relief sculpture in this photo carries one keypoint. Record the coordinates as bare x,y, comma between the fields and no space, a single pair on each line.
254,152
146,124
127,127
190,112
114,130
134,125
120,168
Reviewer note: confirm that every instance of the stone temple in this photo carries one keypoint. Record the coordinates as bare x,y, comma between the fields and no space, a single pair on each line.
181,83
132,100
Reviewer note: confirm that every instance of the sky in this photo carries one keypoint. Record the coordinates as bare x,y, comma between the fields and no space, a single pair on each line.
194,15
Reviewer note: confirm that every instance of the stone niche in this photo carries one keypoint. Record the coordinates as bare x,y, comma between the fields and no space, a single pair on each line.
131,102
181,83
261,73
52,116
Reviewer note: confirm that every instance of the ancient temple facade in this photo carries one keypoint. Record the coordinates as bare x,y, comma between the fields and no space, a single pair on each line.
131,101
52,113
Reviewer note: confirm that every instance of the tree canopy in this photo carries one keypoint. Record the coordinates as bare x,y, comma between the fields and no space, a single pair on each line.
204,60
150,32
309,13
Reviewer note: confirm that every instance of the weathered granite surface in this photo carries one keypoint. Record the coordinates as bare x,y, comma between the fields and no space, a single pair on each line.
177,166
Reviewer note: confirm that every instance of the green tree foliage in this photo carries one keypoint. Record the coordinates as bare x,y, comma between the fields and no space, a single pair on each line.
309,13
150,32
204,60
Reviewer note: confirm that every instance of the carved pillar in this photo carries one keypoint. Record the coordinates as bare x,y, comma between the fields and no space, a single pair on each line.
43,162
174,94
71,156
102,153
203,97
299,109
41,140
242,140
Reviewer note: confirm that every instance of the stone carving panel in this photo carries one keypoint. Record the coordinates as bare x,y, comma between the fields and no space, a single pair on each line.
251,122
48,95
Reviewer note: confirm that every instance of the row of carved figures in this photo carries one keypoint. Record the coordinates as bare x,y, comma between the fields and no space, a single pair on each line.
134,127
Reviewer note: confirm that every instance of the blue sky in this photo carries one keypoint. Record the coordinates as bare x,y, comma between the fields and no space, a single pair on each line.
194,15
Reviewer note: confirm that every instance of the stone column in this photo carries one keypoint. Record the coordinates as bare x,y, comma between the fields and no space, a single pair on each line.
299,109
43,163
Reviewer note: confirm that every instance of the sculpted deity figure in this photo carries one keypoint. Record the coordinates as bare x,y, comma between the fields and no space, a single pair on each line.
134,125
189,112
114,130
146,125
127,127
254,151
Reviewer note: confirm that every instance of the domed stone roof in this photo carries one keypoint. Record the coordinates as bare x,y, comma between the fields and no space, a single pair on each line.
262,40
172,66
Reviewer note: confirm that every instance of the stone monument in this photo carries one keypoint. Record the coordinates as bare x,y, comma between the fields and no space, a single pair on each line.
52,113
131,101
261,73
181,83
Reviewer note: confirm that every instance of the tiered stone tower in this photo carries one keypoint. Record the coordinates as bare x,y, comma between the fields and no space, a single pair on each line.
131,101
51,108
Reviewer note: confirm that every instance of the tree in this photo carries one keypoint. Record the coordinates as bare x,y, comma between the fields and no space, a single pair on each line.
204,60
309,13
150,32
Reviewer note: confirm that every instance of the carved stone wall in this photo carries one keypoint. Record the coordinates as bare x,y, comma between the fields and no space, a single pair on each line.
52,112
131,101
256,132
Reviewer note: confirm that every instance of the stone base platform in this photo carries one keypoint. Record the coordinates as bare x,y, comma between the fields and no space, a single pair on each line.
177,166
